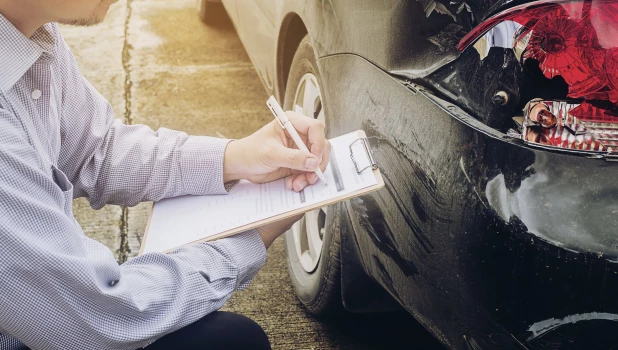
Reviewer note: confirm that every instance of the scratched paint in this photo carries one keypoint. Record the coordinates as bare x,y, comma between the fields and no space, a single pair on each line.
542,327
371,220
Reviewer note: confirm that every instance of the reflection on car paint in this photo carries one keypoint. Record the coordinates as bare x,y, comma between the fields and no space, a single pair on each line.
499,36
550,203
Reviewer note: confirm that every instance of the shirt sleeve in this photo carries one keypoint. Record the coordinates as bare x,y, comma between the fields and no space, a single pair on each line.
113,163
63,290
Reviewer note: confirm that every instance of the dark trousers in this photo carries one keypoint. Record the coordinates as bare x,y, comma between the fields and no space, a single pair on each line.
218,330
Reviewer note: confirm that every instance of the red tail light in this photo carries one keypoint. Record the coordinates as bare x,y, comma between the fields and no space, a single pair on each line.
575,40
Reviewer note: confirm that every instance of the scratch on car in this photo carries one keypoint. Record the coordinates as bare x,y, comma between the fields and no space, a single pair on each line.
332,10
387,278
417,231
372,221
373,101
543,327
463,169
400,161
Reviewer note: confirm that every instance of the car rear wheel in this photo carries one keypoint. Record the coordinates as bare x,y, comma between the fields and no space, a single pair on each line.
211,12
312,245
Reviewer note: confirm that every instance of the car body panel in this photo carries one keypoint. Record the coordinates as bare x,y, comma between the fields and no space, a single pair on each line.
255,27
325,24
421,36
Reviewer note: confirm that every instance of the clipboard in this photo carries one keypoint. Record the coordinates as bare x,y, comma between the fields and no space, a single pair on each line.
360,144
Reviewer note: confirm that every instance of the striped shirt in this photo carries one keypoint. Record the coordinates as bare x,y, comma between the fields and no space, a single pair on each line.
58,140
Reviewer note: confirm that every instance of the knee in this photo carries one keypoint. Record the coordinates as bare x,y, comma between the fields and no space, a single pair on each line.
247,332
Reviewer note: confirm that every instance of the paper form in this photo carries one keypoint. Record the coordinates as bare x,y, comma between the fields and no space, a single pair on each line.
181,220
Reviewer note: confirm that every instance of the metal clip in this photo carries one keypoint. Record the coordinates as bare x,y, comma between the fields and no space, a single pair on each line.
372,163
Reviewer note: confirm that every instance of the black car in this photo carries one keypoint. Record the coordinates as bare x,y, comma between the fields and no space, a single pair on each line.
495,126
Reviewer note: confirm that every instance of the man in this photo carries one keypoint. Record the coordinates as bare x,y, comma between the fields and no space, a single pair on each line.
58,140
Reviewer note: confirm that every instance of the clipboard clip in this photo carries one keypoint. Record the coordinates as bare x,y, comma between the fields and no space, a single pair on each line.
372,162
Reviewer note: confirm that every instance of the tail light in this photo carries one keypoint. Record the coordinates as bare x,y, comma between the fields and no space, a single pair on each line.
576,41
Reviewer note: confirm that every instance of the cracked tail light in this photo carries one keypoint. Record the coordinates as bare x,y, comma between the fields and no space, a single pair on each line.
574,40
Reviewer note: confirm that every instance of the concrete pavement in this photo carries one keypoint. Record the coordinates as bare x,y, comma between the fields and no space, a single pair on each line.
160,66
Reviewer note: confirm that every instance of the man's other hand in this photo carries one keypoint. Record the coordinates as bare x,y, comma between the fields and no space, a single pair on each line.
272,231
270,154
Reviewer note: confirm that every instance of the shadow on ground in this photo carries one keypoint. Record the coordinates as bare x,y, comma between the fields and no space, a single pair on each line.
394,330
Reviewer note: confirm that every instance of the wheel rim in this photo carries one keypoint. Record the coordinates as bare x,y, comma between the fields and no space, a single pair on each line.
308,233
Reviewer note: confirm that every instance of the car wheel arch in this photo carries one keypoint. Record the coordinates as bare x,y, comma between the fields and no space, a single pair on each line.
291,32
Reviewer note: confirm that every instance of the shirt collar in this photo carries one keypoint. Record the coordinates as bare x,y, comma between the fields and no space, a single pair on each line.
18,53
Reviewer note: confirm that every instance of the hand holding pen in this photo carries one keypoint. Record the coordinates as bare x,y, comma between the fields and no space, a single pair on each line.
270,154
285,123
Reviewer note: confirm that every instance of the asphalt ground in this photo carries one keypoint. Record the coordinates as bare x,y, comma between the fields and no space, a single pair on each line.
159,65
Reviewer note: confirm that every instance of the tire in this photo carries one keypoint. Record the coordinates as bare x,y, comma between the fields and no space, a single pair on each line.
211,12
320,289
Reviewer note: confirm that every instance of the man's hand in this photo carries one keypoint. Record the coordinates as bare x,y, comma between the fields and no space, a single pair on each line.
272,231
270,154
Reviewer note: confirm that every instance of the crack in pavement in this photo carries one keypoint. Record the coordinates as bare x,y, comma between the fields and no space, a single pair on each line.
126,65
192,69
124,250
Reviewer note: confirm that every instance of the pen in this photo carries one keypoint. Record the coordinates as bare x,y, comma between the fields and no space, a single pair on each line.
280,115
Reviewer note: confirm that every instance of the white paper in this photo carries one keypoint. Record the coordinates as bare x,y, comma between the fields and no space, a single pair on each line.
181,220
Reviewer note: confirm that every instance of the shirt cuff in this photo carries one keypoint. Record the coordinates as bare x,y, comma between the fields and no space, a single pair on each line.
249,253
201,164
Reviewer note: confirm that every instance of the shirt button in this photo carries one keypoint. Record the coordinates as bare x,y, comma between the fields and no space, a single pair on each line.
36,94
